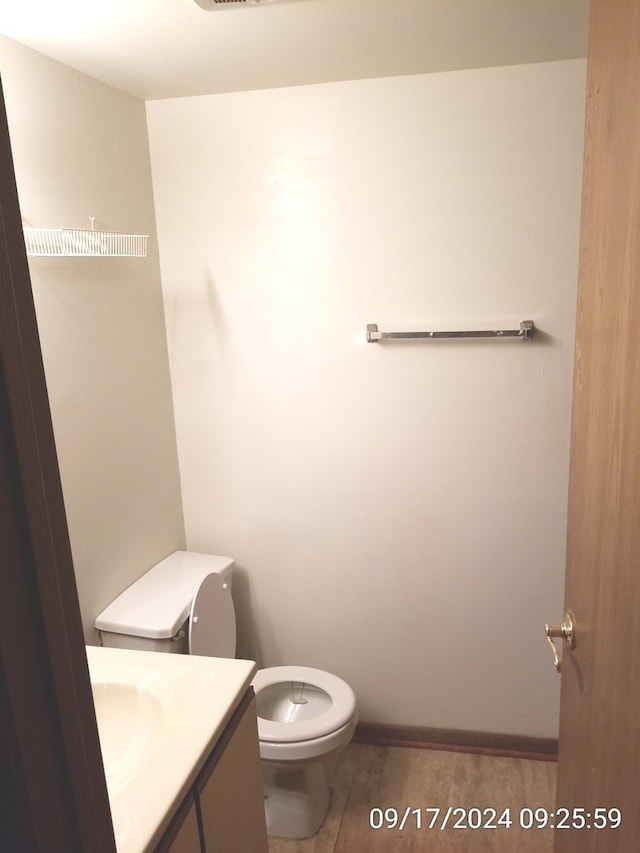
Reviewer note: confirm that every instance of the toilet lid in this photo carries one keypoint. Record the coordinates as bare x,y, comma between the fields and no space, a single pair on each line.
212,621
343,703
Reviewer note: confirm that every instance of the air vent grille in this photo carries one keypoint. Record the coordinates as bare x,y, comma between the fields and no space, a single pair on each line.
211,5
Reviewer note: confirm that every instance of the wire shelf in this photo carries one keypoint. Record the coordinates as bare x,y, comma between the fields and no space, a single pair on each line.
78,242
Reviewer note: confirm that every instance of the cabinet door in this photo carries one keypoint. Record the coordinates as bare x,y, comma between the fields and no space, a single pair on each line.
231,798
183,833
187,839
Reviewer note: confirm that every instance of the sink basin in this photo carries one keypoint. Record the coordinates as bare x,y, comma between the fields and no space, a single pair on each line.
158,716
129,721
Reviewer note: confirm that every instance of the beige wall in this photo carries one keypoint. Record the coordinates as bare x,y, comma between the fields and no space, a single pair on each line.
81,150
397,512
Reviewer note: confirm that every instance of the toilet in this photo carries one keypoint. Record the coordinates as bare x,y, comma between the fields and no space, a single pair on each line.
305,716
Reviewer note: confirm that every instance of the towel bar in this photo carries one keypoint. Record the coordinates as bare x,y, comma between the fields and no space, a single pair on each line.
524,333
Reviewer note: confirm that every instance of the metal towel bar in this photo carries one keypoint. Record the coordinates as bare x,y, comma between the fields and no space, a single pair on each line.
524,333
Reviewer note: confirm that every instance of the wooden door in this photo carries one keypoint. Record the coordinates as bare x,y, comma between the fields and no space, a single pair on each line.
599,755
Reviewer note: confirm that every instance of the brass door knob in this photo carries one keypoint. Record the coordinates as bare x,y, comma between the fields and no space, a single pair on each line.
565,631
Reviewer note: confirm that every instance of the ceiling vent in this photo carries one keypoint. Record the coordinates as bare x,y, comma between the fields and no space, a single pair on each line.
210,5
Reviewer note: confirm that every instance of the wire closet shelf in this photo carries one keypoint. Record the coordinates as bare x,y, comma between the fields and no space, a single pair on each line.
79,242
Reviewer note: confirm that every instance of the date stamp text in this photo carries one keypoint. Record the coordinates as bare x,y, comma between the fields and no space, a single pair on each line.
456,817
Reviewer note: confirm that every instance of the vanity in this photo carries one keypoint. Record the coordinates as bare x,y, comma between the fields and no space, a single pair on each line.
179,741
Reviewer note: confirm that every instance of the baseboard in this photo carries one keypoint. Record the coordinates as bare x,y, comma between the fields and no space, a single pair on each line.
482,743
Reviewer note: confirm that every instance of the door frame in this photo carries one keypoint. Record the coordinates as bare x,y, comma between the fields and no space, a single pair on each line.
49,747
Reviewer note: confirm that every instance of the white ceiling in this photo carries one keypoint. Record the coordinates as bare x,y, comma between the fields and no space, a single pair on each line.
170,48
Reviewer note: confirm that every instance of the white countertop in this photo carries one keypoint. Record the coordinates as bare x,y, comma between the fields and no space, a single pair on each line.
159,716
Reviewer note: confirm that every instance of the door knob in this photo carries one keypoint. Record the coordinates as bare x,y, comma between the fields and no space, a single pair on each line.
564,631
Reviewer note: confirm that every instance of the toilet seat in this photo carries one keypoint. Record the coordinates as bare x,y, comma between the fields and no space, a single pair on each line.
343,704
212,619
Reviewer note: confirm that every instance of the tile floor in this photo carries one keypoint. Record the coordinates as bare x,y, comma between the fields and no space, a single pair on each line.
381,777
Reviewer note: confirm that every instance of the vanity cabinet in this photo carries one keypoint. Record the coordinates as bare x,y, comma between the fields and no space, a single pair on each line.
224,810
184,834
230,792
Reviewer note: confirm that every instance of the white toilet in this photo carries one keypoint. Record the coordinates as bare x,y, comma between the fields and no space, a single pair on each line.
305,716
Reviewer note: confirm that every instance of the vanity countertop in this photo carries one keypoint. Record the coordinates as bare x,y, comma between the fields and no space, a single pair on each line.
159,716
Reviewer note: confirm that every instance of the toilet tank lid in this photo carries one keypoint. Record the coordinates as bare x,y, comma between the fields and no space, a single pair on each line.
158,603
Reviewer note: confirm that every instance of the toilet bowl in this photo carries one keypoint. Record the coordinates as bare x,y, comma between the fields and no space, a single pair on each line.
305,715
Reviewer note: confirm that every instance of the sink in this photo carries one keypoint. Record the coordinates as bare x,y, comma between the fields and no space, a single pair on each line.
130,718
159,716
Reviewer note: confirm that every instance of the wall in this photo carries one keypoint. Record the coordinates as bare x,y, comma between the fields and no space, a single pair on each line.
397,512
80,149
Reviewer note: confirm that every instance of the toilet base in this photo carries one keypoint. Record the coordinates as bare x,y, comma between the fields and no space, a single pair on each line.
296,800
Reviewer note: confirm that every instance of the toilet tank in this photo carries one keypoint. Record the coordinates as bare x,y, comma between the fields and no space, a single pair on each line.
152,614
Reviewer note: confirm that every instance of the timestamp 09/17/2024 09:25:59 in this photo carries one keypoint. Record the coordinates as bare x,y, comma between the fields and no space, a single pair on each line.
458,818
